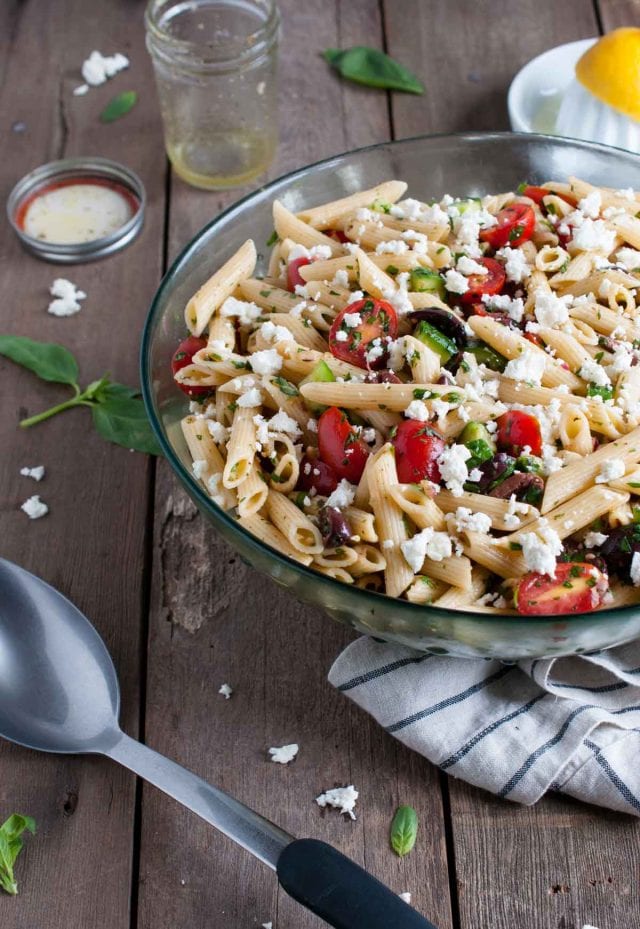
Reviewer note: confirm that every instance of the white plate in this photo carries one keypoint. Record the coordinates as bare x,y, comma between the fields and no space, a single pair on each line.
536,91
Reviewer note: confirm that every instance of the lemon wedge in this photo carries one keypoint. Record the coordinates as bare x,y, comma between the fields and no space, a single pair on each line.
610,70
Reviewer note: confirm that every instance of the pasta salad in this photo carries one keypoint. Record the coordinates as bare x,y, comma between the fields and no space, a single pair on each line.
439,401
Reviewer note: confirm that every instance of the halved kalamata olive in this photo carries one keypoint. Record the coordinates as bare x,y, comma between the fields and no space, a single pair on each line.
528,488
618,551
447,322
382,377
333,526
494,471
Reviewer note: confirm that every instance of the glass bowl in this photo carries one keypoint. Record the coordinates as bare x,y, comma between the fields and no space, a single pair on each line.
463,165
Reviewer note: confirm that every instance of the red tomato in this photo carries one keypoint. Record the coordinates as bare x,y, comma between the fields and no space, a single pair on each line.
337,234
339,446
479,284
534,193
182,357
515,226
293,274
378,320
534,339
517,429
316,475
418,447
577,588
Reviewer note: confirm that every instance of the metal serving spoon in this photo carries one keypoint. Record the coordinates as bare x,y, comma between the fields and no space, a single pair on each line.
59,693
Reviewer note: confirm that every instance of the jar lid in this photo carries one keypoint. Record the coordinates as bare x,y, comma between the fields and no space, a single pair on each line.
77,209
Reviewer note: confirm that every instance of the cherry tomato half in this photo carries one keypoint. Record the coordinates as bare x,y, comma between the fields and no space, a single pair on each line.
378,320
517,429
577,588
337,234
515,225
534,193
479,284
182,357
339,446
316,475
294,277
418,447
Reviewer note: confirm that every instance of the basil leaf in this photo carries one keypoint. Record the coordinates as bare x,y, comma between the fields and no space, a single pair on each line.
119,106
371,67
404,830
49,361
10,848
123,420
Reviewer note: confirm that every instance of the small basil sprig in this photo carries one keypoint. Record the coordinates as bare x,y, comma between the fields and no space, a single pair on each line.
119,106
371,67
10,848
404,830
118,411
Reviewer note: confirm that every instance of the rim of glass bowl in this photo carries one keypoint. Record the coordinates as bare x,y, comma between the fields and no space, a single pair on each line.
404,607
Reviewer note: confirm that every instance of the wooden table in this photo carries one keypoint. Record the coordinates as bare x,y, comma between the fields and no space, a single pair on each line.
124,542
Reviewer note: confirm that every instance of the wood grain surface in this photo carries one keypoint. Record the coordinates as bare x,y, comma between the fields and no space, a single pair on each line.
179,610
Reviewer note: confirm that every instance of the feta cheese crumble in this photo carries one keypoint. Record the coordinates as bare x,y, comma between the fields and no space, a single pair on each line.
266,362
468,266
199,468
464,519
550,310
453,468
528,367
284,754
343,495
417,410
34,507
340,798
541,549
282,422
218,432
245,311
591,204
635,569
455,282
406,896
426,544
36,473
226,691
98,68
516,265
593,235
252,397
611,470
594,539
68,298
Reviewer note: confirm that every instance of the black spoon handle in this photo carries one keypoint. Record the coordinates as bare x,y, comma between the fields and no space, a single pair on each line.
340,891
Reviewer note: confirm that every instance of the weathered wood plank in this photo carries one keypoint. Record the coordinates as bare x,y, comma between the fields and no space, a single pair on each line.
560,864
77,871
274,651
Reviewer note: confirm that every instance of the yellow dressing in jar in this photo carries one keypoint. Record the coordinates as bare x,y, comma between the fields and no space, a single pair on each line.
77,212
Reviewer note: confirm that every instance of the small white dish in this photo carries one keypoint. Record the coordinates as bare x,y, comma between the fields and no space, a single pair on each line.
536,92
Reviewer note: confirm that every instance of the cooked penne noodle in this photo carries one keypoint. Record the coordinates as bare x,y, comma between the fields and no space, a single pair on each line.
201,307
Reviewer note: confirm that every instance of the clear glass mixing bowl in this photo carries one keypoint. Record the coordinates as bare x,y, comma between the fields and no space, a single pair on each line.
462,165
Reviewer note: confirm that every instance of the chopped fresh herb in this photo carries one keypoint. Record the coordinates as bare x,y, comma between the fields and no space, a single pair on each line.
391,269
273,238
594,390
515,546
286,386
516,232
420,393
265,293
241,365
381,206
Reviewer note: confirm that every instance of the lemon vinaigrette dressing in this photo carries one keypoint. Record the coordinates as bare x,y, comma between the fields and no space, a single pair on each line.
77,212
215,68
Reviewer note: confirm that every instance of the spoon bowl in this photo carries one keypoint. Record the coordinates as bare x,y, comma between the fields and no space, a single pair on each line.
58,686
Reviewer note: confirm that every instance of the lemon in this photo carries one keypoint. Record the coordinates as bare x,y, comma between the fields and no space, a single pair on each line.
610,70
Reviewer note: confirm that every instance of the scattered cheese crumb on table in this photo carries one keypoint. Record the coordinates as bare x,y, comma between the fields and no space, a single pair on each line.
226,691
34,507
340,798
284,754
36,473
68,298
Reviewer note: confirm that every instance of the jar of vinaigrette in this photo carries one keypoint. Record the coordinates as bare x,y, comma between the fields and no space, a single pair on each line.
215,66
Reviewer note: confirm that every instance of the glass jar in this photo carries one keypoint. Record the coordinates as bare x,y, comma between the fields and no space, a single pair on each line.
215,66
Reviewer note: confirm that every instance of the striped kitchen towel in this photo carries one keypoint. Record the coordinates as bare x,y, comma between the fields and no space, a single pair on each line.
518,730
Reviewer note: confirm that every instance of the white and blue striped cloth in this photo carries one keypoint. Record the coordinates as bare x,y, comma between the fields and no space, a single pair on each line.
566,724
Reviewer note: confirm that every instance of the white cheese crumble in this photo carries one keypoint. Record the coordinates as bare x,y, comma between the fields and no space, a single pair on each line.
340,278
455,282
284,754
393,247
464,519
528,367
341,336
252,397
594,373
272,333
611,469
245,311
453,468
315,253
266,362
406,896
593,234
635,569
68,298
591,204
351,320
513,306
98,68
426,544
628,257
282,422
36,473
80,90
34,507
594,539
355,296
417,409
516,265
541,549
343,495
468,266
387,544
340,798
199,468
551,310
218,432
267,926
226,691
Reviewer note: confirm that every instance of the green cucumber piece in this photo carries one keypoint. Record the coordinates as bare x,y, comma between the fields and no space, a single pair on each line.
435,340
424,280
321,373
486,355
